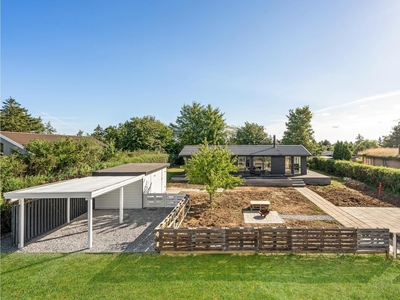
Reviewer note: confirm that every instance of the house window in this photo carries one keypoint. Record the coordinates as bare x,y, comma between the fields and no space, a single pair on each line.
384,162
1,148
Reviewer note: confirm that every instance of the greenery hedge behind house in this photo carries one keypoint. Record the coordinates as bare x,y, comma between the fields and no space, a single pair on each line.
370,175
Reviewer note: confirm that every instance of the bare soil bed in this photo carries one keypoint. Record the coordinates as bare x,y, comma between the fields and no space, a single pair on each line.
355,194
226,210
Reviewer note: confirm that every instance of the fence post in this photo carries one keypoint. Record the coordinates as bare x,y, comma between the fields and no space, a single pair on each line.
21,223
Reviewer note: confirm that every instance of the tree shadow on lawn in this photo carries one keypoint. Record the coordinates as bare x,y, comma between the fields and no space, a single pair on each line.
301,269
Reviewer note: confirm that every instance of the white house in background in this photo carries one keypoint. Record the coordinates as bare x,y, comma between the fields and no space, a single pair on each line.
16,141
154,181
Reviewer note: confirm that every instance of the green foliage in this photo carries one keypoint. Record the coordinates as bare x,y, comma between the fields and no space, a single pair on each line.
393,139
252,134
213,166
198,123
145,133
364,145
15,118
370,175
341,151
299,130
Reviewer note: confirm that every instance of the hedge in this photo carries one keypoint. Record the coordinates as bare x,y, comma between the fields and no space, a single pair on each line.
370,175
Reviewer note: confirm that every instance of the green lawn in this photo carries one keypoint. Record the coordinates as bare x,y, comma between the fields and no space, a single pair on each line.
220,276
171,172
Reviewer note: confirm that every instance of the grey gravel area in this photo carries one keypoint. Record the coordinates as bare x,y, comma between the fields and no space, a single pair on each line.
308,217
135,234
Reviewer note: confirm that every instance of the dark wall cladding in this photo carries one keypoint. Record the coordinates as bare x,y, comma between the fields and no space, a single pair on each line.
43,215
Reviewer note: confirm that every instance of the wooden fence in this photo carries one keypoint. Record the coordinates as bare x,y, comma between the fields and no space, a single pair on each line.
177,215
272,240
162,200
43,215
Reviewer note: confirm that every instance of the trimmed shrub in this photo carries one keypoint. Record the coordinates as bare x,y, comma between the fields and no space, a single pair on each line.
370,175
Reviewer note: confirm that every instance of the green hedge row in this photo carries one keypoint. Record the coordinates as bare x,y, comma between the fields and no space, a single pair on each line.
370,175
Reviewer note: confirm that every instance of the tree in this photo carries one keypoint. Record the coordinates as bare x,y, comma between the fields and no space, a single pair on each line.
252,134
393,139
15,118
213,166
145,133
49,129
198,123
299,130
364,145
341,151
359,139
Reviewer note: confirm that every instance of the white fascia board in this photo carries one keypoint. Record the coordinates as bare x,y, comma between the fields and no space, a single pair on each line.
116,186
15,196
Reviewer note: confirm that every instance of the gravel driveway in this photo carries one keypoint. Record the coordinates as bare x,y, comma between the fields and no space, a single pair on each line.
135,234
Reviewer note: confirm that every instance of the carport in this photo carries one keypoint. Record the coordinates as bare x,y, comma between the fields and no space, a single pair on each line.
88,188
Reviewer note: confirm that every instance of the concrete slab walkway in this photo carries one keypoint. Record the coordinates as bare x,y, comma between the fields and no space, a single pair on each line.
359,217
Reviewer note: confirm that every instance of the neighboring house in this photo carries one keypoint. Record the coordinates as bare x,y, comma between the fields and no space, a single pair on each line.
16,141
327,154
387,157
268,159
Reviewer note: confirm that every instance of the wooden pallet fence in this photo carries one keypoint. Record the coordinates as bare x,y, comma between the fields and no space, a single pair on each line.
43,215
177,215
272,240
395,239
330,240
275,240
373,240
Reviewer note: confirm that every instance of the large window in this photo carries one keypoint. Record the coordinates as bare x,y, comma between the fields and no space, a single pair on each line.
297,165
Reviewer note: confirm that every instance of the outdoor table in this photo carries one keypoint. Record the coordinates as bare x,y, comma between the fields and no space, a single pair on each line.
259,204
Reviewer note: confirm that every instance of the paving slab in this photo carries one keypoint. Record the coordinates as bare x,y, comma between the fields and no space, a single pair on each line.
253,217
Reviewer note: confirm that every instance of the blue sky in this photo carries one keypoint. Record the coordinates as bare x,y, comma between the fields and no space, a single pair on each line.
83,63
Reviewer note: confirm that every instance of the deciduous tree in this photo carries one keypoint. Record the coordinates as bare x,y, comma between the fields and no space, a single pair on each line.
213,166
299,130
197,123
252,134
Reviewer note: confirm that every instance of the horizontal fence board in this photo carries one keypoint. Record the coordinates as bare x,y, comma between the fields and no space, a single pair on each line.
272,240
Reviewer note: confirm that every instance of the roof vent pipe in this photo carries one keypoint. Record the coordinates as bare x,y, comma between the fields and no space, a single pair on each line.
275,142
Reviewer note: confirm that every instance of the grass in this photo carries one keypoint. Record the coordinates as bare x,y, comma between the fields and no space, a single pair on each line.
381,152
171,172
220,276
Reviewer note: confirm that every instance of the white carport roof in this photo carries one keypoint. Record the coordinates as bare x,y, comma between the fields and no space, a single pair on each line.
88,187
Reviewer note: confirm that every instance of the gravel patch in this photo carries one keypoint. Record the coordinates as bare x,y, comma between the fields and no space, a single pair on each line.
135,234
308,217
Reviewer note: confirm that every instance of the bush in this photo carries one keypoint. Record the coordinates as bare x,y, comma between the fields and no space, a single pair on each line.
370,175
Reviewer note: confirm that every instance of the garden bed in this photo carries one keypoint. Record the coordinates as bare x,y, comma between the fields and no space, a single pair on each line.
355,194
226,210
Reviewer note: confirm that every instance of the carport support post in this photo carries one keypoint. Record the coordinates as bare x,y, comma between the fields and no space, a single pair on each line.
21,223
121,205
68,209
90,223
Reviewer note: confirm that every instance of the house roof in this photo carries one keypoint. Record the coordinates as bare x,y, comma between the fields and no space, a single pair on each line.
23,138
87,187
256,150
133,169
